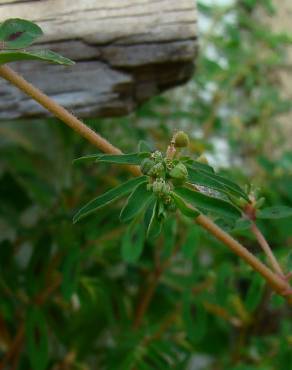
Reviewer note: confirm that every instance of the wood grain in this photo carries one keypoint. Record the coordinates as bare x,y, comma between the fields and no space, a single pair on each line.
126,52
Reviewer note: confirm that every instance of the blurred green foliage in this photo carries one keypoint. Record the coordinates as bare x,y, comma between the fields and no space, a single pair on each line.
70,296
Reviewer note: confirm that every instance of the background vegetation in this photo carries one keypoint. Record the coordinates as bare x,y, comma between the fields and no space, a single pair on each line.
72,298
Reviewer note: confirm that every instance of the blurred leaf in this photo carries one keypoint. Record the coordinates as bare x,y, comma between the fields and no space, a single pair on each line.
170,233
37,338
18,33
195,320
191,244
41,55
70,272
275,212
254,293
224,274
133,243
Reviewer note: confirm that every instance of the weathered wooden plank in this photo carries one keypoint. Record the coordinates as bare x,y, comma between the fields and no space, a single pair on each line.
126,52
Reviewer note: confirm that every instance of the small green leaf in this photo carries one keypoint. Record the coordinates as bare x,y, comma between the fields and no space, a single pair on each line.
70,273
37,339
133,158
18,33
206,203
42,55
195,319
108,197
155,224
133,243
197,165
254,293
185,209
224,273
169,234
136,202
275,212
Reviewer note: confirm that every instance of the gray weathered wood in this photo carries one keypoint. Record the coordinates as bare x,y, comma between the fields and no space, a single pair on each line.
126,52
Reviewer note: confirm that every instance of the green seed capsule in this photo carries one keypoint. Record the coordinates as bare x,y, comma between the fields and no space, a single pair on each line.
157,170
179,174
181,139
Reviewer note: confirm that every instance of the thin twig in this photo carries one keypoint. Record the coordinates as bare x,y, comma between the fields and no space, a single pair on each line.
267,249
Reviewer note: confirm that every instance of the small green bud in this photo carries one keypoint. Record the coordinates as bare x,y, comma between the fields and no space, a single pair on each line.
146,165
157,170
157,156
179,174
181,139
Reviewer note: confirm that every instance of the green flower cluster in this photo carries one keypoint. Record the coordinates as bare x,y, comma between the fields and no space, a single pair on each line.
163,175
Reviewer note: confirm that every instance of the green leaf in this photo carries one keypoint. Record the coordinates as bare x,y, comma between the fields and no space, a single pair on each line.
108,197
169,234
42,55
215,182
37,339
206,203
155,224
185,209
133,158
195,320
224,273
18,33
136,202
275,212
133,243
70,273
254,293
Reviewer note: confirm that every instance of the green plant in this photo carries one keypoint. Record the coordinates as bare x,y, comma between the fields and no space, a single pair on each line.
154,343
160,166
